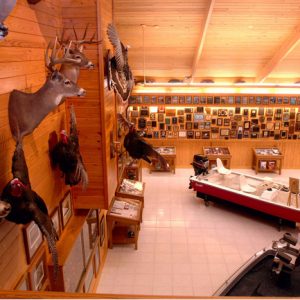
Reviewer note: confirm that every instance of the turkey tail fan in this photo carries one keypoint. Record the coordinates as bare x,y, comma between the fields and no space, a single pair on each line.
46,226
73,123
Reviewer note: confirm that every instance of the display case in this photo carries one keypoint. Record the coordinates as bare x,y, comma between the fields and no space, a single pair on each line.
131,189
213,153
169,154
123,221
267,160
133,170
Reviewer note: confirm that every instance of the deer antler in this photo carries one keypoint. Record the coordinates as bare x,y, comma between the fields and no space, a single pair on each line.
54,60
78,43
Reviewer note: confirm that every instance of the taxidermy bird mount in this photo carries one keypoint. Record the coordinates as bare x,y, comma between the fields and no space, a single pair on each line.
26,205
26,111
66,155
6,7
138,148
74,49
121,76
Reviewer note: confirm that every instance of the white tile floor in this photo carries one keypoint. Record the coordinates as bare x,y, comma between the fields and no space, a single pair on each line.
186,248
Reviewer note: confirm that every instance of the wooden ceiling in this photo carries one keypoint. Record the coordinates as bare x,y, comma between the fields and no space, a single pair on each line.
222,40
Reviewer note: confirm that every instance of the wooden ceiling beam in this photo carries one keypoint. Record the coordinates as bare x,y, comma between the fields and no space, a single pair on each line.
289,44
202,39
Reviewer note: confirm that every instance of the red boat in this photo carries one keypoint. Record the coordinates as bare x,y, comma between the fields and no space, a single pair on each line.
253,192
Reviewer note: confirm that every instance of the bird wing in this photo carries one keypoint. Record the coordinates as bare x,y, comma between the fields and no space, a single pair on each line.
6,7
82,173
118,46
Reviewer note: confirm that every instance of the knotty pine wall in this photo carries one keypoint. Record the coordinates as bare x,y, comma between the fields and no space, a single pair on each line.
22,67
94,129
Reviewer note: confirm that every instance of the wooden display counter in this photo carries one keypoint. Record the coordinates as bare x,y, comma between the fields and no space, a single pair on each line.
133,171
123,221
267,160
213,153
169,154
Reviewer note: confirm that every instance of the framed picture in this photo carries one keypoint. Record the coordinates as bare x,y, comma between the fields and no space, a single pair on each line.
246,124
182,134
92,221
197,134
219,122
163,134
174,100
152,116
224,132
210,100
66,209
190,134
155,134
265,133
181,99
188,99
55,217
205,134
160,117
196,125
153,100
230,99
38,273
161,100
263,164
188,117
97,259
180,112
226,122
102,230
33,239
23,284
196,99
168,121
238,99
198,117
89,275
283,134
170,134
203,100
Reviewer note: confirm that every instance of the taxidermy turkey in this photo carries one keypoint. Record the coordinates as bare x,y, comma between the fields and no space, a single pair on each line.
119,70
138,148
66,155
27,205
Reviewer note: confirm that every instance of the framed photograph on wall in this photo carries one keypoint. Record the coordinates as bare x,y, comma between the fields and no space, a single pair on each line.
66,209
182,134
38,273
23,284
55,217
33,239
197,134
181,99
102,230
92,221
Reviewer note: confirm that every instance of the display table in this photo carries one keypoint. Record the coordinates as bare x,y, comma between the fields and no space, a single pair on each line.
267,160
169,154
131,189
213,153
123,221
133,171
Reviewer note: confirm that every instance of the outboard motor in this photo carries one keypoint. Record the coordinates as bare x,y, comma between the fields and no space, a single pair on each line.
200,164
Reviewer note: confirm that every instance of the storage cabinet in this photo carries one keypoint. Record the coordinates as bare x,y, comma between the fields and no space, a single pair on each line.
123,221
267,160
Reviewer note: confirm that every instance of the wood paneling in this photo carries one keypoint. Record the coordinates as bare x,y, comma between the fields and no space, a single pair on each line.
242,36
241,150
22,67
88,109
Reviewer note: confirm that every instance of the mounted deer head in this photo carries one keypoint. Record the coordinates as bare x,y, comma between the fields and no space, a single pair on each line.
74,50
6,7
26,111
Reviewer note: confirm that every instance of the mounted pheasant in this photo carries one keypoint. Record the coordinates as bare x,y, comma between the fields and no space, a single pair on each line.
26,205
138,148
121,76
66,154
